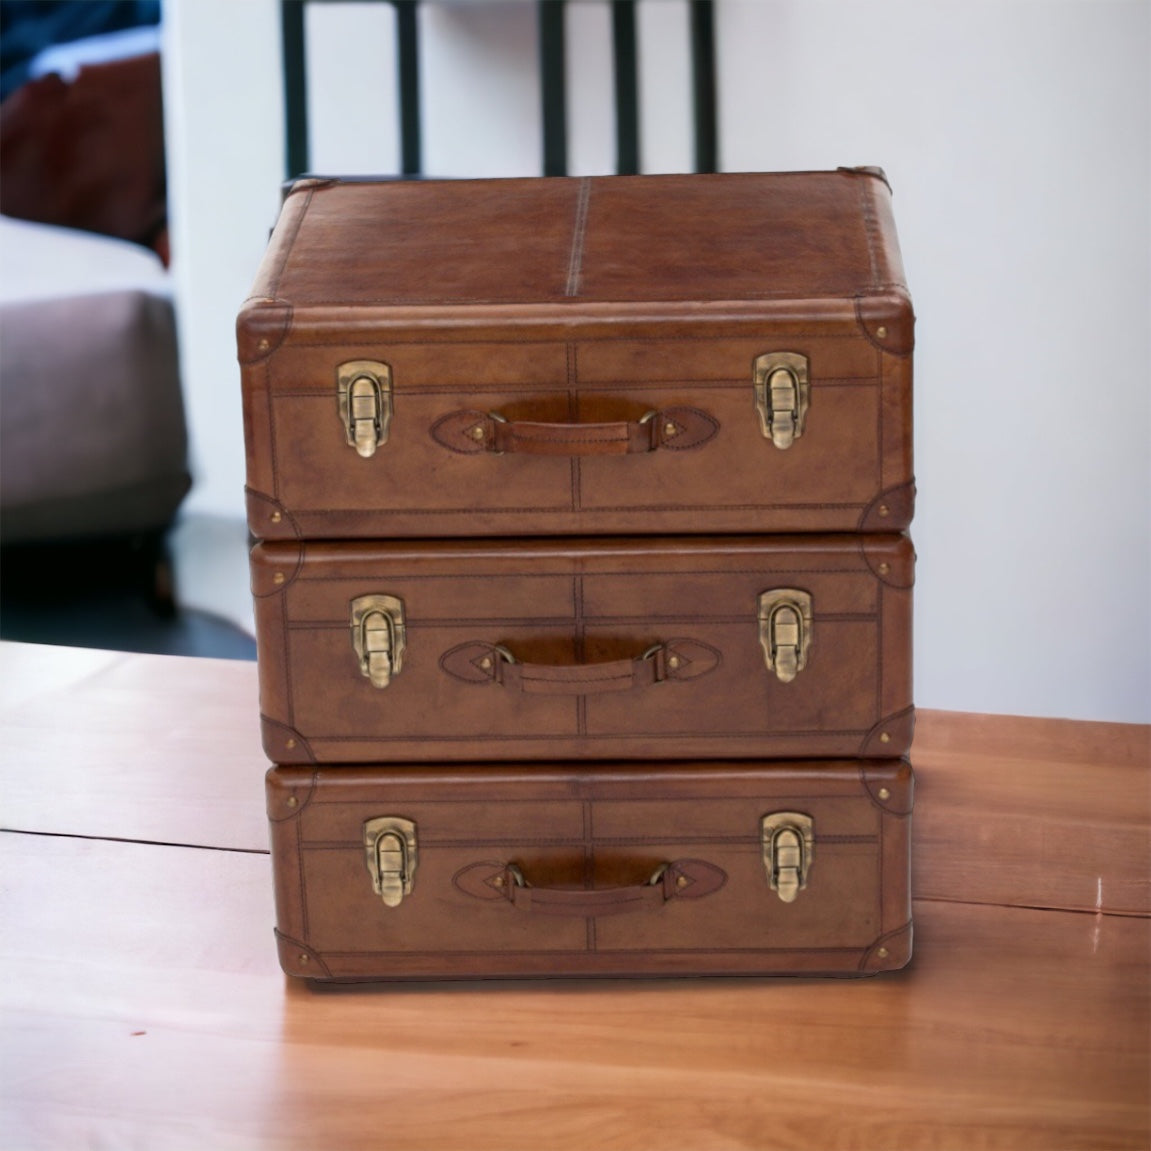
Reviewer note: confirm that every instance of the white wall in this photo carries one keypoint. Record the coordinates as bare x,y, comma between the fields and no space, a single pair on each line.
1016,134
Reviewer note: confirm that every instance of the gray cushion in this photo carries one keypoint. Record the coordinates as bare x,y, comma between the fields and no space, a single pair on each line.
92,433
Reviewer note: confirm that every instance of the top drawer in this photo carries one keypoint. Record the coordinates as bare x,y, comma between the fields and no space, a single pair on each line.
617,355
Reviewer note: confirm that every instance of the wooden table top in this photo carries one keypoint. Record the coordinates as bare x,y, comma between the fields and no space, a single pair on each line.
143,1006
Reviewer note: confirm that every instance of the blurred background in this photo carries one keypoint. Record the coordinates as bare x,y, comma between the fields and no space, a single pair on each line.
142,150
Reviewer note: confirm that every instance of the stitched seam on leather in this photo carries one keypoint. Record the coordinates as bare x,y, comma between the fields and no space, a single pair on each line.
576,677
571,359
579,229
720,953
303,885
862,570
881,477
583,338
751,844
773,733
605,510
879,653
882,858
285,627
594,386
564,621
272,428
864,189
275,285
610,436
822,292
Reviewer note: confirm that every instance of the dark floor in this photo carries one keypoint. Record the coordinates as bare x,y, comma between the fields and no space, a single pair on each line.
116,595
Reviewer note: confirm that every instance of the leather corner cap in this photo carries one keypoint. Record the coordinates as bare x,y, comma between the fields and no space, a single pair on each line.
261,326
888,321
891,510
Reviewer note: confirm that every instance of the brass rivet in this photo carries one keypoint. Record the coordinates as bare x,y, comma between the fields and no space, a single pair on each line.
881,332
278,578
884,793
670,430
290,744
673,661
885,737
681,881
303,959
884,569
486,662
276,517
498,881
477,433
292,801
884,510
264,345
883,953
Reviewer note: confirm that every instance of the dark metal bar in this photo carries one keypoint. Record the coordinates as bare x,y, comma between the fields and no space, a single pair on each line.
552,86
626,87
408,62
295,88
703,85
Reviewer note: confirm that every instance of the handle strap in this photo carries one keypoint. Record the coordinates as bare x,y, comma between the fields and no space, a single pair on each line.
682,879
488,663
675,429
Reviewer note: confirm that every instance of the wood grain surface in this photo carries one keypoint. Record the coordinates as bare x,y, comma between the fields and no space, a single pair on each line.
164,749
143,1008
141,1004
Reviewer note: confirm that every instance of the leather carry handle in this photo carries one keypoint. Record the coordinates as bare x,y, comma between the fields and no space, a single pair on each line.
675,429
489,663
682,879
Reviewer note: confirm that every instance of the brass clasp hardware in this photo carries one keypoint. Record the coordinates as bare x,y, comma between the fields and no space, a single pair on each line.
782,396
785,625
390,855
379,636
364,390
788,849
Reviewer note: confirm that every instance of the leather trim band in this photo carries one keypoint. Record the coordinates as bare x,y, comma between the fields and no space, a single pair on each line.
481,663
672,429
684,879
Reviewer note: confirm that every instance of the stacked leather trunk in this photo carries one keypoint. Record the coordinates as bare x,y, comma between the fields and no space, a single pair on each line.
583,594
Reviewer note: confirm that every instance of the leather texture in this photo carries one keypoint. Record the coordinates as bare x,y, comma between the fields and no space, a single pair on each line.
532,328
549,870
585,649
677,429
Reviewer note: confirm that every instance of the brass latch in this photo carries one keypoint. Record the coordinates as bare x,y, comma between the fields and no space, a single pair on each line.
379,636
390,853
785,619
788,849
782,396
364,389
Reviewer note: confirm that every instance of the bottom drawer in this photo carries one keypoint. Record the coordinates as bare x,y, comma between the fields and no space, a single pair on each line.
780,867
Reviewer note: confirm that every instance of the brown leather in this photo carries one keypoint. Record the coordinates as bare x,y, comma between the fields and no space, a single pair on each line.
587,840
482,663
571,308
683,879
676,429
577,615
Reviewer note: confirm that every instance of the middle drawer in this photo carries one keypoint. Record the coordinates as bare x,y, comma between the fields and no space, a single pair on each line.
771,646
